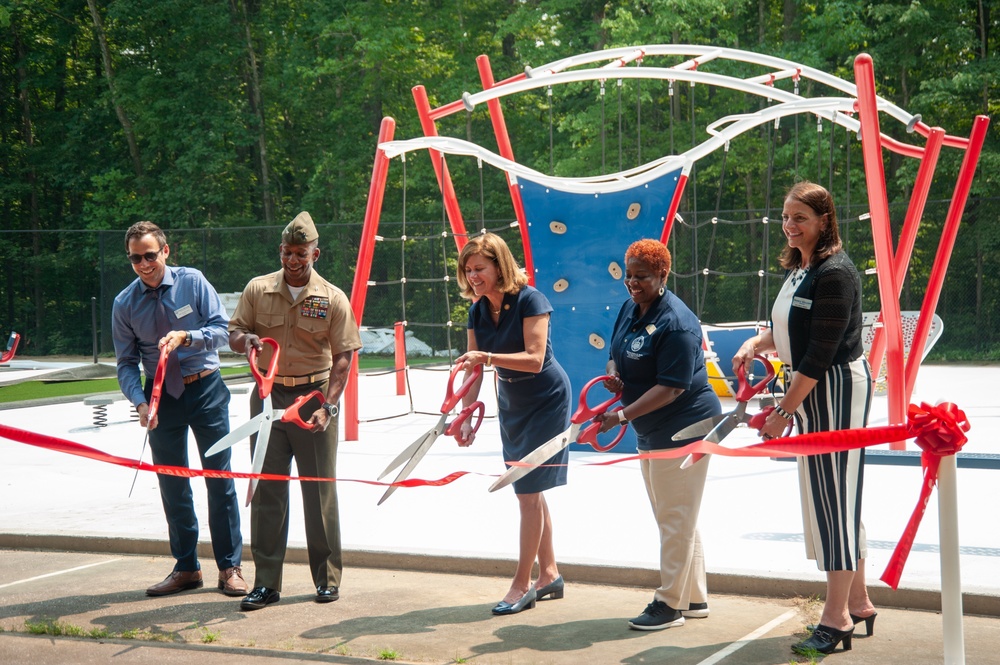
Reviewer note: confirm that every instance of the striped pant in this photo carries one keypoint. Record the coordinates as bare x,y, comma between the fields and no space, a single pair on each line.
830,484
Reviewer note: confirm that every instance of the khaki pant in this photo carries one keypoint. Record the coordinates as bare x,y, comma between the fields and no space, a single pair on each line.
675,496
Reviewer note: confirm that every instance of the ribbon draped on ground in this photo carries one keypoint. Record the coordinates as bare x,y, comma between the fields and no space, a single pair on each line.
939,431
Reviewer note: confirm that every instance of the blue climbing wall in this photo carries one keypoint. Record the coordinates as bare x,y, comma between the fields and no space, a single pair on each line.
576,242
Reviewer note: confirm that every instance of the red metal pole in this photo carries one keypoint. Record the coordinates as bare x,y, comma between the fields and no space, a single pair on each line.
399,337
918,200
504,146
878,201
668,223
441,168
948,235
362,269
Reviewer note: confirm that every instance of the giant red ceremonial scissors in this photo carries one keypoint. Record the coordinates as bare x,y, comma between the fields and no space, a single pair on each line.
416,450
554,445
261,423
719,427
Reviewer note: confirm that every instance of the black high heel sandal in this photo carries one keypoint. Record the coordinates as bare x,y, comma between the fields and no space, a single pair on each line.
824,640
869,622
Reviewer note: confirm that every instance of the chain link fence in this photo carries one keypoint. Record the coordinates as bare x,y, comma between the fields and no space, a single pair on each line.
57,287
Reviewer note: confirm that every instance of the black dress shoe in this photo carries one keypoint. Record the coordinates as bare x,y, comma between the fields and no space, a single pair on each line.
824,640
259,598
869,623
327,594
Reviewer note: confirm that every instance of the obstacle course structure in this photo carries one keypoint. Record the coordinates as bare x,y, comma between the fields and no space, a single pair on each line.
575,230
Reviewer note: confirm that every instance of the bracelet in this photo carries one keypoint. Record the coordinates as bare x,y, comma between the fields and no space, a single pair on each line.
621,417
781,412
489,359
187,338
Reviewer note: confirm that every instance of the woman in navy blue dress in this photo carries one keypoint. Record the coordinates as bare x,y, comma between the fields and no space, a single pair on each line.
509,330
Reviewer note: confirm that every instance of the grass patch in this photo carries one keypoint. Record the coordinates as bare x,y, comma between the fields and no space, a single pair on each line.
61,629
388,654
39,390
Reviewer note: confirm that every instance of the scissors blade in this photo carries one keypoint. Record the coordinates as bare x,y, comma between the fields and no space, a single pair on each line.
537,456
141,451
260,448
425,445
700,428
720,432
407,453
242,432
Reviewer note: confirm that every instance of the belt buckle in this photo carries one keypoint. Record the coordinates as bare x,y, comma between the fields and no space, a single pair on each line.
288,381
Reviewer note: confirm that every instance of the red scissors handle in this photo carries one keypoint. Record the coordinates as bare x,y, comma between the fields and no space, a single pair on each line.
292,415
746,391
583,411
264,381
455,427
11,347
758,419
452,396
161,371
589,435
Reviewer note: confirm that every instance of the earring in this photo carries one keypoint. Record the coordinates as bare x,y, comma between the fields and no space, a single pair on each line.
661,290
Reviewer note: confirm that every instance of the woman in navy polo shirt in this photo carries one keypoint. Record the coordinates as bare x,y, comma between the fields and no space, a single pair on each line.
509,329
659,365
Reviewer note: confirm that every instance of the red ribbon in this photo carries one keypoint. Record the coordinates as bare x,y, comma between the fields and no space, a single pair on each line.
939,431
80,450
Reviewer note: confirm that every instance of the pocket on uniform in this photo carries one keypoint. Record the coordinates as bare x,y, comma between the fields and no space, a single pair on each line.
265,324
313,326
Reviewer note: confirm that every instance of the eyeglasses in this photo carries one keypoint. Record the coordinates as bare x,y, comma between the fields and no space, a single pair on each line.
636,278
149,256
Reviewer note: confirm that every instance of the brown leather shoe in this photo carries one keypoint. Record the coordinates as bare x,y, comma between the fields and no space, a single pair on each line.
231,582
179,580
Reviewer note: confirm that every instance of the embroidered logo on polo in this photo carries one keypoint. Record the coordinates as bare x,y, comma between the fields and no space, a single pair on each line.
637,343
315,307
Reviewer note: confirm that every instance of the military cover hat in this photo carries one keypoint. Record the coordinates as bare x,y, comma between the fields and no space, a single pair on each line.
300,230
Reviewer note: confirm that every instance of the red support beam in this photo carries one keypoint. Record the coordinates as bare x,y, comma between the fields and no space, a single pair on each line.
918,200
878,201
362,269
948,235
451,206
506,151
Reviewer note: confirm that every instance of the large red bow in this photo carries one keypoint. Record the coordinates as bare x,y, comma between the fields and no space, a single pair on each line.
940,431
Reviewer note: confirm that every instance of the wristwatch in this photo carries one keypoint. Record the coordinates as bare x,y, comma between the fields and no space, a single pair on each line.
331,409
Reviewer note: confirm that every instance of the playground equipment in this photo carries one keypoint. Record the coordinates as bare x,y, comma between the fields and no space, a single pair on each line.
570,226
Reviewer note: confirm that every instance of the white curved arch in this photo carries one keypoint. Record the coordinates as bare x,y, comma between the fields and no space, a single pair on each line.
831,108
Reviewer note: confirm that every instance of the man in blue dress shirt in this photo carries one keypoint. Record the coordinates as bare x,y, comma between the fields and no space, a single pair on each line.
178,309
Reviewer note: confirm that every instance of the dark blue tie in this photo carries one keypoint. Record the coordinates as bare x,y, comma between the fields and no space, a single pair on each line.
173,383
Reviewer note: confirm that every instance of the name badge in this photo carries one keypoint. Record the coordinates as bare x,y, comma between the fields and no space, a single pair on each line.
802,303
183,311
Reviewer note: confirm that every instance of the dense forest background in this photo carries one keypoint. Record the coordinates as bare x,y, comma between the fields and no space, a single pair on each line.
222,119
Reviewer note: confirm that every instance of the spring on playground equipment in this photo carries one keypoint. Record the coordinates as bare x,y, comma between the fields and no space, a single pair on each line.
100,415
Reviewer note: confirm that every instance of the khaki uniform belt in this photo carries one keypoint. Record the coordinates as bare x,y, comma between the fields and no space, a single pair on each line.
292,381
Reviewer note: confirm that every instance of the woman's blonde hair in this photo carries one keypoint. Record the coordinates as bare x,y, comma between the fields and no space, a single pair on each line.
510,279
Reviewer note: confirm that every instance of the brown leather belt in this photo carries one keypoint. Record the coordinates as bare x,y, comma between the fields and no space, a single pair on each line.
292,381
196,377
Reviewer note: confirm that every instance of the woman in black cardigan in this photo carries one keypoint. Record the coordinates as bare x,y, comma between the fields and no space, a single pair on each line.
816,330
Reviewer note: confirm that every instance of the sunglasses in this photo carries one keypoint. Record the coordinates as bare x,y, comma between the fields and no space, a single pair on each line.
149,256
